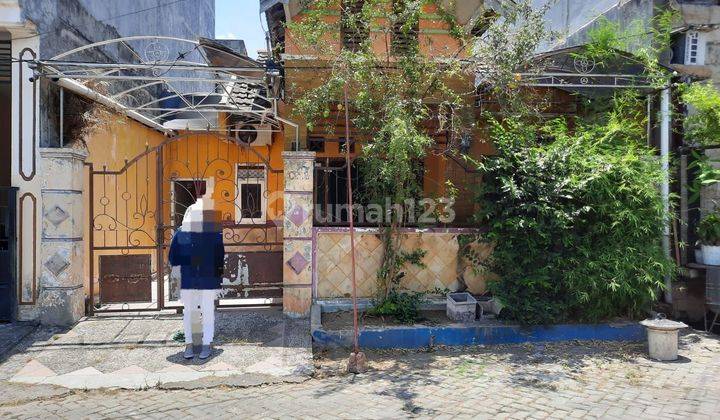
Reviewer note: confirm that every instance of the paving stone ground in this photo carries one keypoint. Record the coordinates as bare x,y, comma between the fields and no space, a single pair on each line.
138,351
11,334
569,380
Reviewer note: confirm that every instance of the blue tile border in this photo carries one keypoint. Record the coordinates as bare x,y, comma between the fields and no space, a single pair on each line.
465,335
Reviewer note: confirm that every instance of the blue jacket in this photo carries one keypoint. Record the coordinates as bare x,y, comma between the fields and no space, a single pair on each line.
201,257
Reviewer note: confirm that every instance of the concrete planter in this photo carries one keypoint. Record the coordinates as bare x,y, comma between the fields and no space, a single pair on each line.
461,307
711,254
662,337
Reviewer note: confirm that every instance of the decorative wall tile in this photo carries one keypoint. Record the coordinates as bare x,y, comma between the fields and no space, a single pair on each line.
298,262
298,215
290,228
443,267
56,215
58,262
297,230
298,170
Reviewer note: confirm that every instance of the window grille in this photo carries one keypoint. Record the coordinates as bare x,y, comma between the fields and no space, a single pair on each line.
353,28
406,28
251,198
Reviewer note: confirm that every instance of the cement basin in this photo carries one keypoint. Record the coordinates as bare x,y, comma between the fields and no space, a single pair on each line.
663,338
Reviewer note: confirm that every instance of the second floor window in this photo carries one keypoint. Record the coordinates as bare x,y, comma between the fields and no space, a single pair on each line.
405,28
353,28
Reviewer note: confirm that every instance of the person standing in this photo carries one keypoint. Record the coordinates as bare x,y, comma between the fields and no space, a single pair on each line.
197,249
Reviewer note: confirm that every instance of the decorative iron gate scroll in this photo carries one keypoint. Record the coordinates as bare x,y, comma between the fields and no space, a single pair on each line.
135,210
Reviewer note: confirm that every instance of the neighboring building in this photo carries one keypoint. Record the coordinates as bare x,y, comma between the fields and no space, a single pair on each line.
63,25
696,35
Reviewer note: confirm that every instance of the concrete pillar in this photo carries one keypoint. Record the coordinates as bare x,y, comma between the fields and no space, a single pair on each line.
297,228
24,161
61,298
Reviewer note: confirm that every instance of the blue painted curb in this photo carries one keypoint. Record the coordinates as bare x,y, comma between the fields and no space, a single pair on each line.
465,335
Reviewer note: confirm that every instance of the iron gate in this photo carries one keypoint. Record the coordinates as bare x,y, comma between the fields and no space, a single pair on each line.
8,257
135,210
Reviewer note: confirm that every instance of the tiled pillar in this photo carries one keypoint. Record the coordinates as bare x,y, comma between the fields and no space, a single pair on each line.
297,228
61,298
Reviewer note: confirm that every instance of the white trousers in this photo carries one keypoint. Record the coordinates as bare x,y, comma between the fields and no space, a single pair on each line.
203,301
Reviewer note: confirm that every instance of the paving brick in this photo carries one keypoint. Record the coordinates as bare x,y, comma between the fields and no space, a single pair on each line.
585,380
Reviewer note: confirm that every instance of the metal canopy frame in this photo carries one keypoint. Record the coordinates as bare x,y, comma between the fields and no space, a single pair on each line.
171,83
569,69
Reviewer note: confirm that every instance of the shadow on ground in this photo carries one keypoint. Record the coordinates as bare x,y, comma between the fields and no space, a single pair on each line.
543,367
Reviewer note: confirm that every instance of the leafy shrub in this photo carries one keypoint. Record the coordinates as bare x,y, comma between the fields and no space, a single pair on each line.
403,306
702,125
576,217
179,336
706,174
709,229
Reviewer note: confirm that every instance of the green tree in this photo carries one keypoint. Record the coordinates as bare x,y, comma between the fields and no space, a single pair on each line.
391,95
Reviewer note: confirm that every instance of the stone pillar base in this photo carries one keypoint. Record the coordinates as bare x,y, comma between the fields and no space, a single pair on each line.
61,307
61,297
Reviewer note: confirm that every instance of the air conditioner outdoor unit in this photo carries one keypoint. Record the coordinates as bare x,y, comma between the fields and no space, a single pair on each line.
252,134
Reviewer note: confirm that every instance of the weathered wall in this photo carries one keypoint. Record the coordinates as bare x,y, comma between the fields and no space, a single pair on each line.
68,24
180,19
444,267
708,17
571,19
434,36
63,25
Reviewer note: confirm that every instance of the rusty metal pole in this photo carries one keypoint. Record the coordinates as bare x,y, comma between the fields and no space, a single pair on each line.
91,237
352,227
160,232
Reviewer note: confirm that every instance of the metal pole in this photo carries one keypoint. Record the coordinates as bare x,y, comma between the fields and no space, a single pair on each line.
160,211
352,227
665,188
91,238
649,120
62,116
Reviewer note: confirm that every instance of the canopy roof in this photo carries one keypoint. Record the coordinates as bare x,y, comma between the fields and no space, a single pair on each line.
570,69
171,83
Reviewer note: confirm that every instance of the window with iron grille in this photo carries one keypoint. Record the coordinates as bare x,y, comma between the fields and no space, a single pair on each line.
331,197
251,196
354,30
406,27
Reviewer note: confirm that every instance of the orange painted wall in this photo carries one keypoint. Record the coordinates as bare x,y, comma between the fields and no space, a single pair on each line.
124,209
201,156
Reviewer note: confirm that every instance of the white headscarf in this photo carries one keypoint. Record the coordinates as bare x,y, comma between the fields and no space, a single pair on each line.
194,213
